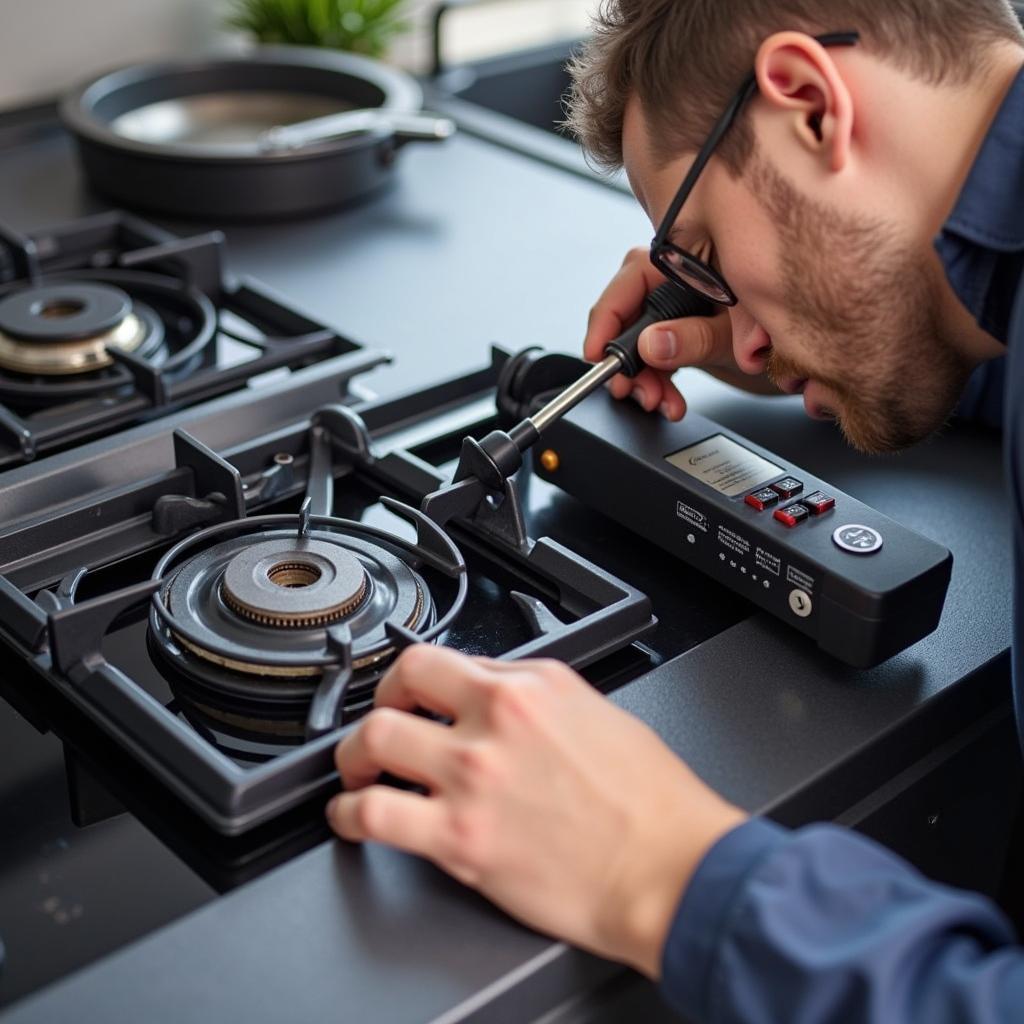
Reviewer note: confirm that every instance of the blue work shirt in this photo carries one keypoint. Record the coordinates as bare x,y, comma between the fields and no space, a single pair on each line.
822,926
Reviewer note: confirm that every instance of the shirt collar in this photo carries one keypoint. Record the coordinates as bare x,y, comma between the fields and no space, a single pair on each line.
989,211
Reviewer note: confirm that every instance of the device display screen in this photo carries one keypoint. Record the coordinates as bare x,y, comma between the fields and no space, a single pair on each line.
721,463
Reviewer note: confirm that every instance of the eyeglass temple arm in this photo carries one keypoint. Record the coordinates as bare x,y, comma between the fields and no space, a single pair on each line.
724,123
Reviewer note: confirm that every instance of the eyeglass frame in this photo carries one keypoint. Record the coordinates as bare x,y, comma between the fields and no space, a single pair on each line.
660,243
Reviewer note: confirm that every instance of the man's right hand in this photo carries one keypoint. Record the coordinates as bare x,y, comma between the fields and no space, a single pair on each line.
665,347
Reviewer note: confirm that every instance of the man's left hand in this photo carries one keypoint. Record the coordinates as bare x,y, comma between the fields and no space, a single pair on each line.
554,803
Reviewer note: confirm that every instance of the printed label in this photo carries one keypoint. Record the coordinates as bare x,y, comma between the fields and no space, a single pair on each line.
766,560
692,516
799,578
723,464
733,540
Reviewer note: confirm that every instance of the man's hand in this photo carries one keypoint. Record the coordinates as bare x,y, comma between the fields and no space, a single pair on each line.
665,347
560,807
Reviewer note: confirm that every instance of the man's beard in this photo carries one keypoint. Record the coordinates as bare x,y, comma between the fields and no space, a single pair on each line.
866,306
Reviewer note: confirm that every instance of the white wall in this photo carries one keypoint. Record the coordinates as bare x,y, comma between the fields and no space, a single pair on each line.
47,46
491,26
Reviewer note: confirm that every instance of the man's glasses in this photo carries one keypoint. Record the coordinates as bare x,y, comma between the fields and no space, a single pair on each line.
677,264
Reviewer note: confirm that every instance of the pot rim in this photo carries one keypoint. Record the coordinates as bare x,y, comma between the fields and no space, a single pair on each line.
402,93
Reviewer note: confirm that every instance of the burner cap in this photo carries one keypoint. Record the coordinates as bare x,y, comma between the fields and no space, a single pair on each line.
63,312
294,583
67,328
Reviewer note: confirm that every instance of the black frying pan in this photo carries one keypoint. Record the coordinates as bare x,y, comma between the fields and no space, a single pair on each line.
281,132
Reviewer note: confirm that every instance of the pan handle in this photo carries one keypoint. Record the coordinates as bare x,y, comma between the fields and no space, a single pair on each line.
405,127
421,127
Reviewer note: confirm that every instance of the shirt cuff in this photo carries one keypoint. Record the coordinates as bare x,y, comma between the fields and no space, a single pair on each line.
704,911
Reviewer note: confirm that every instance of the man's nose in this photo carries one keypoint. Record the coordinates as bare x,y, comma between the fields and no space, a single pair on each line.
751,344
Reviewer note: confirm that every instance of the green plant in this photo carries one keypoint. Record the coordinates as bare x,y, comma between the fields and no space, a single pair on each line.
359,26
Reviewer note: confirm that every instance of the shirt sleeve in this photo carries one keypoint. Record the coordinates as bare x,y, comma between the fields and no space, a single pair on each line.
822,926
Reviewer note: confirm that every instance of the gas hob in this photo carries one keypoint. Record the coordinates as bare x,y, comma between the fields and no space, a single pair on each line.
199,600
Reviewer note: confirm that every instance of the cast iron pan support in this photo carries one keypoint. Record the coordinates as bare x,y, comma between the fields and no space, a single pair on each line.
481,487
77,630
218,489
339,425
434,549
326,710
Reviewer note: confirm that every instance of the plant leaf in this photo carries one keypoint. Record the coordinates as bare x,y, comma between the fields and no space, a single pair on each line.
359,26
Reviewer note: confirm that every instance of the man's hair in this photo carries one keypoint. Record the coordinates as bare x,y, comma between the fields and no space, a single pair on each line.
684,59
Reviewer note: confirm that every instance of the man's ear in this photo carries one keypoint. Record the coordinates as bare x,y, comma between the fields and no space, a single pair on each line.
796,73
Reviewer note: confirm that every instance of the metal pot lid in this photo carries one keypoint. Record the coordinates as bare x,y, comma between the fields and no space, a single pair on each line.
222,109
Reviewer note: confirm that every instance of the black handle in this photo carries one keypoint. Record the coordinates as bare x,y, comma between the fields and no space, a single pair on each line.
439,16
667,302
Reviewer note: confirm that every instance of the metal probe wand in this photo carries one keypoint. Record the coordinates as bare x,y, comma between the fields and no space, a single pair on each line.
667,302
486,465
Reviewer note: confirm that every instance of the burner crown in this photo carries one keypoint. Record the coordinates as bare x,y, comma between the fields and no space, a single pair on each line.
297,583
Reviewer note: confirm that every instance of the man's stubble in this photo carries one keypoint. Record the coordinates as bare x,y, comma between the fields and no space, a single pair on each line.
865,309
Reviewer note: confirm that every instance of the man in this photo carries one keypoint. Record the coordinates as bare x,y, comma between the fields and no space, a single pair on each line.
860,221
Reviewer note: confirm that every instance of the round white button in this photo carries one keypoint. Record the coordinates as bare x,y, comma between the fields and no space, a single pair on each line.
800,603
857,539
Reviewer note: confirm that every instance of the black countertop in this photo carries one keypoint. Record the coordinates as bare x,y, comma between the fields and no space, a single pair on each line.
478,244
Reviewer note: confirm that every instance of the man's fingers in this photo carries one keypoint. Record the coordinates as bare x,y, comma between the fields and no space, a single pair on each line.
620,303
653,389
673,405
605,324
432,677
693,341
620,386
647,389
392,741
381,813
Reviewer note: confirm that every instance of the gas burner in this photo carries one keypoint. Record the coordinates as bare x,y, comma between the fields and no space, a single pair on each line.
76,337
256,616
109,321
70,327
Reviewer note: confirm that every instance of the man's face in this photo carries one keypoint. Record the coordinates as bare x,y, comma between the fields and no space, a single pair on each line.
833,304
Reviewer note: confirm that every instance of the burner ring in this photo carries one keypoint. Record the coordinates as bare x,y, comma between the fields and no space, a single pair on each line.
57,358
299,672
299,584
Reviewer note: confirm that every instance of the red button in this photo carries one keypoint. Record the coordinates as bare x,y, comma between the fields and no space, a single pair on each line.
791,515
762,499
818,502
